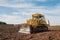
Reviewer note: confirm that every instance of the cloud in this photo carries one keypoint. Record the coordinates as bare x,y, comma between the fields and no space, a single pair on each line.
25,8
20,5
50,13
11,19
54,20
54,10
23,3
13,3
42,0
43,9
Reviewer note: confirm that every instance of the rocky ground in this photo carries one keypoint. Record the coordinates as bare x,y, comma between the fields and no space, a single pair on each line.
11,33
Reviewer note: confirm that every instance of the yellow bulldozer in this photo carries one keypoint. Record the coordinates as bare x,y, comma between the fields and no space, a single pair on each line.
36,24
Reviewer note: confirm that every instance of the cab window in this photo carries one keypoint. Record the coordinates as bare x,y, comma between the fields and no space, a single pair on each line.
41,18
36,17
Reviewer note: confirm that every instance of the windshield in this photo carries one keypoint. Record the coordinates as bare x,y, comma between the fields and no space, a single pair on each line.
41,18
38,18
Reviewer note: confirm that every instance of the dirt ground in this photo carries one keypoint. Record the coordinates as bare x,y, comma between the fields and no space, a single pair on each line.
11,33
51,35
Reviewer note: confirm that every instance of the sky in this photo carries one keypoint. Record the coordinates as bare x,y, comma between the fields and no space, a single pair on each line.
19,11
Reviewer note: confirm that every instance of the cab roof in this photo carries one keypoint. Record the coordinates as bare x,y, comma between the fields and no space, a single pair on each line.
37,14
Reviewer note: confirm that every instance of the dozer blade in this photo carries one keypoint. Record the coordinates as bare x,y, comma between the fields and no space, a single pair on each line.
25,29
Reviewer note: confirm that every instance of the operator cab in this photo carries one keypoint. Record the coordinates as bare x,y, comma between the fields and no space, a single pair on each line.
38,16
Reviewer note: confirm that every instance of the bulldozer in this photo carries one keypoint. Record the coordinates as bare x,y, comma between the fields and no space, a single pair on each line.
36,24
